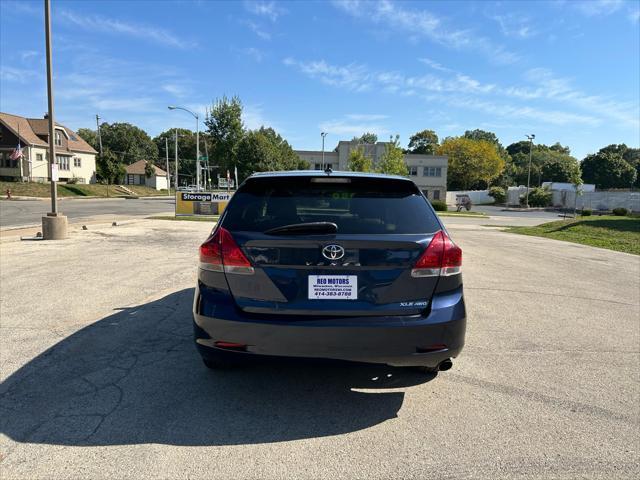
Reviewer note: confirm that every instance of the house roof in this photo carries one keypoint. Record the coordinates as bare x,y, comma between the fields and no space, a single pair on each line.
137,168
28,130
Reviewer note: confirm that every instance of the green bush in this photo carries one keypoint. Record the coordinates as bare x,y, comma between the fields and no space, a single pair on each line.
539,197
586,212
620,212
439,205
498,194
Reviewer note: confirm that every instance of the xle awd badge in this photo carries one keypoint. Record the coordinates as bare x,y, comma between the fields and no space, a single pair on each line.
333,252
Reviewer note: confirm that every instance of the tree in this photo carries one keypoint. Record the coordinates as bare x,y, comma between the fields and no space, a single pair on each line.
607,169
264,150
518,147
629,155
478,134
129,142
186,149
224,123
392,160
557,166
470,162
90,137
109,167
423,142
149,169
367,137
358,162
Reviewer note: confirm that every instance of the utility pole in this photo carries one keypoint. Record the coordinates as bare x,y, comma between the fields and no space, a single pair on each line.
166,151
176,186
100,145
195,115
530,137
54,225
323,134
208,174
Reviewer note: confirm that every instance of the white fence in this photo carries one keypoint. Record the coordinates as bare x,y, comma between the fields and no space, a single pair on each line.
478,197
598,200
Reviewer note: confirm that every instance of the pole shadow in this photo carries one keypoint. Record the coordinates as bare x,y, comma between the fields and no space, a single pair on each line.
135,377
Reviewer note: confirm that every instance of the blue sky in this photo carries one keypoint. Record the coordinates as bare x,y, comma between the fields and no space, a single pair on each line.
568,71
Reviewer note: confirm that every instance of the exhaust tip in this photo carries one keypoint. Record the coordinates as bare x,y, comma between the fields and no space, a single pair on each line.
445,365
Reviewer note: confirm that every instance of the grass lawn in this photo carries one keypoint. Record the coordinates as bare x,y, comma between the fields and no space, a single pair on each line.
34,189
614,233
212,218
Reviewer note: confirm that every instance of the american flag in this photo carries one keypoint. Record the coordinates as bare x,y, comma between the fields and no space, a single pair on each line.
17,153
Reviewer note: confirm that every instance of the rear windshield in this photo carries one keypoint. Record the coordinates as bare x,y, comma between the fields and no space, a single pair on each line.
357,206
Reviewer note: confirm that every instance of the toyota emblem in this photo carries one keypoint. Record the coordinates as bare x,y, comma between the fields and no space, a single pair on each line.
333,252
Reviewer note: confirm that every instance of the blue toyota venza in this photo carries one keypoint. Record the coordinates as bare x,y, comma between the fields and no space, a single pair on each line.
333,265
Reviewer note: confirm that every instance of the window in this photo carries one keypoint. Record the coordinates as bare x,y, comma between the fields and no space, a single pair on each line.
360,206
0,133
329,165
413,171
6,162
77,162
39,157
58,138
436,194
63,162
432,171
426,193
317,166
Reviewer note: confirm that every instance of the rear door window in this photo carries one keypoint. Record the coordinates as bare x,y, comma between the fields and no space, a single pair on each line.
357,205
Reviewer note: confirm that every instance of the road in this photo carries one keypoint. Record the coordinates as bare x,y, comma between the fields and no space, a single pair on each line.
29,212
99,377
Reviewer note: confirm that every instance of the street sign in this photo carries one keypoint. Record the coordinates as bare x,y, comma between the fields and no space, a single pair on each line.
201,203
203,158
54,172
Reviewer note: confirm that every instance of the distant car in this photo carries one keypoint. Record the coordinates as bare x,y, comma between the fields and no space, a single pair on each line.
339,265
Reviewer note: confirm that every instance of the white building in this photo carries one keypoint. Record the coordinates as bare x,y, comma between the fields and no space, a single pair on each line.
136,175
76,159
429,172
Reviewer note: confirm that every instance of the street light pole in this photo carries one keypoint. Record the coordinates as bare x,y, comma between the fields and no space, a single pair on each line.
195,115
323,134
530,137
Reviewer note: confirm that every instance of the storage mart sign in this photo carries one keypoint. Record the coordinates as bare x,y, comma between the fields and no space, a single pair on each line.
201,203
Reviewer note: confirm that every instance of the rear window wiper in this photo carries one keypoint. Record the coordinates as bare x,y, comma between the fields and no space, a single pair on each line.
317,228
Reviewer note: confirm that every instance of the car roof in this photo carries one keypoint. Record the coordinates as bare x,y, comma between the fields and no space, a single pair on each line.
320,173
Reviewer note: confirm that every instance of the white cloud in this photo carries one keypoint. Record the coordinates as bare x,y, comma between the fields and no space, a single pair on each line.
270,10
254,53
366,116
592,8
424,24
255,28
19,75
97,23
349,126
634,15
434,65
515,25
352,77
253,118
538,98
175,89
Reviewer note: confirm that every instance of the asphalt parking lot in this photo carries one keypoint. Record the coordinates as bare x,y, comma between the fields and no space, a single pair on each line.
99,377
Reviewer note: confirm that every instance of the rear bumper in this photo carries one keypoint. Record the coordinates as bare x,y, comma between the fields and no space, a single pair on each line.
392,340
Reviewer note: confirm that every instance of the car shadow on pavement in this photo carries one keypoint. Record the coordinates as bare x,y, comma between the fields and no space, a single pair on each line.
135,377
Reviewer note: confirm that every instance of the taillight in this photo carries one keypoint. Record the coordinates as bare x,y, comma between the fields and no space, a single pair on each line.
220,253
441,257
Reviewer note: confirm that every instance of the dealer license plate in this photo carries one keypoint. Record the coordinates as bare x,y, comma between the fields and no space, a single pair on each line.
333,287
